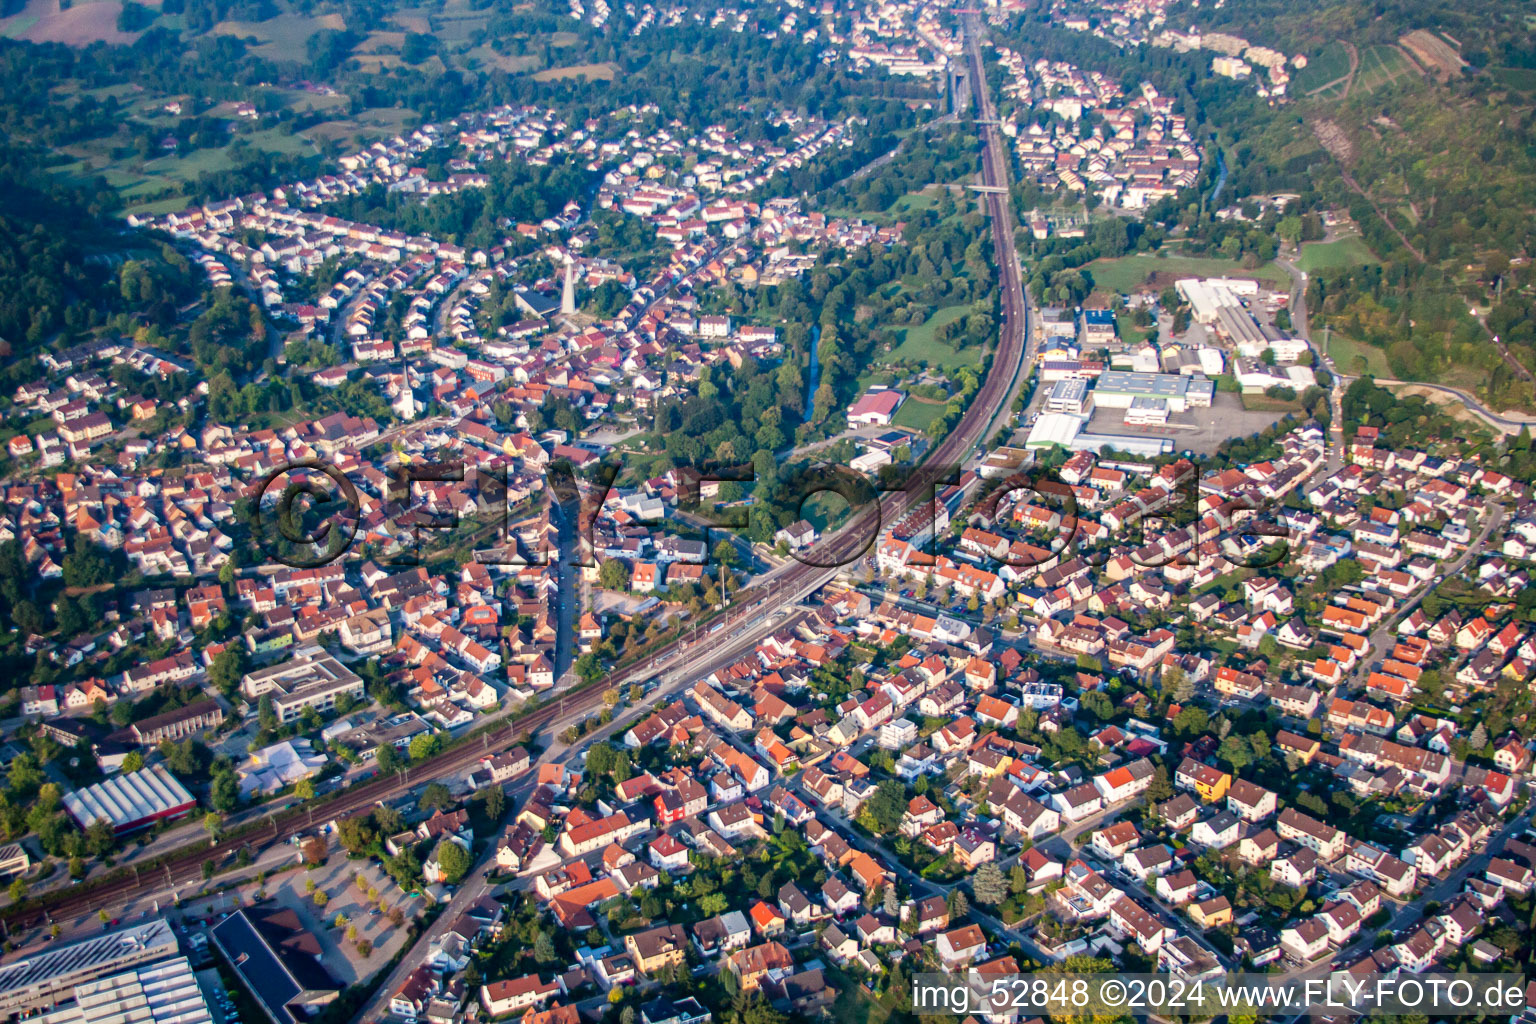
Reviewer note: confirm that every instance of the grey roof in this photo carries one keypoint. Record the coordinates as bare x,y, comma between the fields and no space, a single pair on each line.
130,799
77,962
276,977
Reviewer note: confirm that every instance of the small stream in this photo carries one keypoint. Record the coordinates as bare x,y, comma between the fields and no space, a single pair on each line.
815,374
1221,178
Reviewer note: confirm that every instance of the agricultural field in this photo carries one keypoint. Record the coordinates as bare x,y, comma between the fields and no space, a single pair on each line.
1344,252
1433,52
512,64
1130,273
83,23
283,36
1382,65
604,72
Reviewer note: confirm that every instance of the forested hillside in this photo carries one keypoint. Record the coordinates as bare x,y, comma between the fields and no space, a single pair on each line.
1429,148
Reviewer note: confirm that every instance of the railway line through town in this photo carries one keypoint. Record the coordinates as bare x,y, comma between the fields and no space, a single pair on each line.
755,612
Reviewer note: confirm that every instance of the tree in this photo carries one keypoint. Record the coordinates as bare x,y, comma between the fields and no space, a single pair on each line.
959,906
18,890
266,716
883,812
453,859
495,800
1236,751
388,759
725,554
613,575
544,948
321,898
424,746
212,822
100,839
357,836
304,790
132,762
588,667
227,668
224,794
1177,682
1098,704
1160,788
435,797
313,850
989,885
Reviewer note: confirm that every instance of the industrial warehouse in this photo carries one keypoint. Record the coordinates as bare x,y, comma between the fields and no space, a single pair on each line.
131,802
49,979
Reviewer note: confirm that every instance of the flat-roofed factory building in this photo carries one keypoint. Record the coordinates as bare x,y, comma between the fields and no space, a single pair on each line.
164,992
50,978
1119,389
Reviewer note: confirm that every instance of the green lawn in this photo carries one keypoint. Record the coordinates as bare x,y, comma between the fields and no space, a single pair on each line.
1345,252
900,208
159,206
1347,352
1129,332
854,1005
914,202
915,415
1263,403
825,509
1128,273
1331,62
918,344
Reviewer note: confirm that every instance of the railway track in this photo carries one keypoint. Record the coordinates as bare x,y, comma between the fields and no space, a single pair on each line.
753,609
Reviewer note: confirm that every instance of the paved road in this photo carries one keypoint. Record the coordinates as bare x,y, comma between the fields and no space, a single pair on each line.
1409,914
1508,422
475,884
1381,639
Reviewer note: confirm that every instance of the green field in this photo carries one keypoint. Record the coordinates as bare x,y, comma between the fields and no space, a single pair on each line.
1329,63
1523,79
918,344
824,510
902,206
1347,353
283,36
1263,403
1129,332
16,26
914,202
1130,272
915,415
1344,252
1381,65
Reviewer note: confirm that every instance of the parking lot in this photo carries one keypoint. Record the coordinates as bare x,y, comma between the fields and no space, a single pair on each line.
340,955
